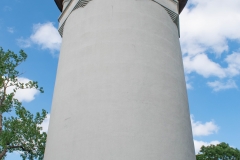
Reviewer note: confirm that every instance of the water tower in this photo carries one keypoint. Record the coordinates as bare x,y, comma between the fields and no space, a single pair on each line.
120,92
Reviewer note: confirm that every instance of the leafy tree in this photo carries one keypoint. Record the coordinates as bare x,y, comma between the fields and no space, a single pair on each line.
220,151
21,132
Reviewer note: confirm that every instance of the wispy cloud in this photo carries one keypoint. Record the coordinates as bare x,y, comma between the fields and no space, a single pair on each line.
205,67
7,8
218,85
188,84
203,129
44,35
24,43
10,29
202,65
233,61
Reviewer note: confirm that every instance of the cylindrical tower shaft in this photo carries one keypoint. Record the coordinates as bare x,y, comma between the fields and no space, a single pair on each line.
120,92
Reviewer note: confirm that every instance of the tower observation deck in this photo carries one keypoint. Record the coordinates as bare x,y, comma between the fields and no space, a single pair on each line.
120,91
182,4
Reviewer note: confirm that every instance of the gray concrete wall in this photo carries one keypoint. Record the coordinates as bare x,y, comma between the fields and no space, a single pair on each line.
120,92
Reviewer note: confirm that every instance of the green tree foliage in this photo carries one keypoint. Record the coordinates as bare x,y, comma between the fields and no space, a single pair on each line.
220,151
21,132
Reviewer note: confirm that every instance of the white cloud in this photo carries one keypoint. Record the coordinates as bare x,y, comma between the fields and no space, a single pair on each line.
24,43
45,123
203,129
208,25
10,29
199,144
44,35
188,84
24,95
217,85
233,61
202,65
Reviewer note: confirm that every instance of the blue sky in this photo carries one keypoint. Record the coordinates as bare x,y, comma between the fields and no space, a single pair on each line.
210,40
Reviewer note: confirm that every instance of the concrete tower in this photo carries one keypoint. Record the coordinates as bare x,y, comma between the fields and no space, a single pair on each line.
120,92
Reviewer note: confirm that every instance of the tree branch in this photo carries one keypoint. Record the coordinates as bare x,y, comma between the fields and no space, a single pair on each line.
0,122
3,153
4,92
23,149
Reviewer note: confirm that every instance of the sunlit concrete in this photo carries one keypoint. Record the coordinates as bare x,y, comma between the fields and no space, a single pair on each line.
120,92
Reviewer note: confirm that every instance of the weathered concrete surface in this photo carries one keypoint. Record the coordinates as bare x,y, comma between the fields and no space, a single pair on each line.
120,92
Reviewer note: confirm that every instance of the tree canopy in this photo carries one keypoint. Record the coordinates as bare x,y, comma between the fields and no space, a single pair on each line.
220,151
21,132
